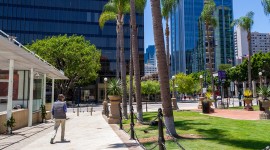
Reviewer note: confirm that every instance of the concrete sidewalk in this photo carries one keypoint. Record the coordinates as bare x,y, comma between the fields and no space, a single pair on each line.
82,132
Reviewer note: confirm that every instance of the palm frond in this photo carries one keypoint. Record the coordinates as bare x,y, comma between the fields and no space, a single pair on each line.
140,6
167,7
110,7
106,16
208,11
266,6
245,22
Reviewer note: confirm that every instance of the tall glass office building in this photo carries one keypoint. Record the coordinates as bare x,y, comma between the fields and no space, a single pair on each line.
29,20
188,36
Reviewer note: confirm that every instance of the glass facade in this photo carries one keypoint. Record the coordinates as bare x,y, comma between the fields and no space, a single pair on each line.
187,36
29,20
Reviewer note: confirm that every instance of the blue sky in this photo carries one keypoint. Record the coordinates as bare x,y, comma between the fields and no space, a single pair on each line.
241,7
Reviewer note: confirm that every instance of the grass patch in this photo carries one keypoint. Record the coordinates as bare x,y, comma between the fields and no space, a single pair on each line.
206,132
255,107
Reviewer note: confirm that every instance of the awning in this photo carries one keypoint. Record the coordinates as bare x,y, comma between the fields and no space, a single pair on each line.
24,59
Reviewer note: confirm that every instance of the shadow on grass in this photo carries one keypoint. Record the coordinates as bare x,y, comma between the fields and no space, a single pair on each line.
187,124
219,135
246,144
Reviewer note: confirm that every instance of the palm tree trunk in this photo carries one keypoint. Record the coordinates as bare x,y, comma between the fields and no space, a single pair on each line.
117,51
123,66
210,63
162,69
130,73
136,62
249,60
167,44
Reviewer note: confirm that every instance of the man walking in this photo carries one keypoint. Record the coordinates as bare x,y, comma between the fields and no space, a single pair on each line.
59,110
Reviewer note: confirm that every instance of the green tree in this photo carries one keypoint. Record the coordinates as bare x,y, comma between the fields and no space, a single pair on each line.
77,57
210,23
266,6
162,69
167,7
185,83
246,23
150,87
224,67
136,6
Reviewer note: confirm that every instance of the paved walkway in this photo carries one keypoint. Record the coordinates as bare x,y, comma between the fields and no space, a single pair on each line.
83,132
236,114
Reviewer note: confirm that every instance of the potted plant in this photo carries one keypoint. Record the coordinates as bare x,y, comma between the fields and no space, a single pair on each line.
114,94
248,100
10,124
43,113
264,92
207,103
114,89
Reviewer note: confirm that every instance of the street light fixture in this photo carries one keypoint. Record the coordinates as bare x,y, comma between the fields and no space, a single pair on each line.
105,103
174,102
201,78
260,75
173,78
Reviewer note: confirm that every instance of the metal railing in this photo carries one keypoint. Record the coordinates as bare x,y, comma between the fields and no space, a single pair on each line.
161,124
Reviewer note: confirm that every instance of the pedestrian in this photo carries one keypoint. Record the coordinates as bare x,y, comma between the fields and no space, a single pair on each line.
59,110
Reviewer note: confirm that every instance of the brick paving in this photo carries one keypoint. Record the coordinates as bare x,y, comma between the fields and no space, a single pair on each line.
236,114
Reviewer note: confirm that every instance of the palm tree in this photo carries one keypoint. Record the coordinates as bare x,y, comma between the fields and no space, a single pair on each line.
162,69
210,22
115,10
139,5
266,6
167,6
246,23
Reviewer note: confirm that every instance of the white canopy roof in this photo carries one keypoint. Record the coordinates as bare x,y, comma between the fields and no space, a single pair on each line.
24,59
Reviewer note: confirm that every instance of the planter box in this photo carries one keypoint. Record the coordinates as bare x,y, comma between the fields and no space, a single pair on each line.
206,107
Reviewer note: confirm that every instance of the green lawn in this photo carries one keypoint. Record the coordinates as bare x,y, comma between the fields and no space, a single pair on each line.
255,107
209,132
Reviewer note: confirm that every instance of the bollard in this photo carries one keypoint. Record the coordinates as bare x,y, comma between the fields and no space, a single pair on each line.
146,106
132,136
87,108
91,110
120,123
77,111
161,140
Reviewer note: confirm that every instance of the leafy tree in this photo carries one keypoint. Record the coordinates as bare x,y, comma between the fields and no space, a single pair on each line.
162,69
210,23
224,67
150,87
167,7
185,83
77,57
246,23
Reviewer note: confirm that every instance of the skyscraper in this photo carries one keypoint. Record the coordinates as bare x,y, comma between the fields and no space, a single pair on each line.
29,20
188,36
150,60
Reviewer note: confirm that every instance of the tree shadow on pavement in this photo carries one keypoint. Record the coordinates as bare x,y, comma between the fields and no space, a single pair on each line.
118,145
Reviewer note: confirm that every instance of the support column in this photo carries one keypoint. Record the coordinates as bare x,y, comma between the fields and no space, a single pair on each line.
30,104
10,88
52,95
44,89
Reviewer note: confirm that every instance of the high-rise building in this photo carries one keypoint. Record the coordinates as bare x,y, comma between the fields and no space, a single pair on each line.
29,20
260,42
188,40
240,44
150,60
